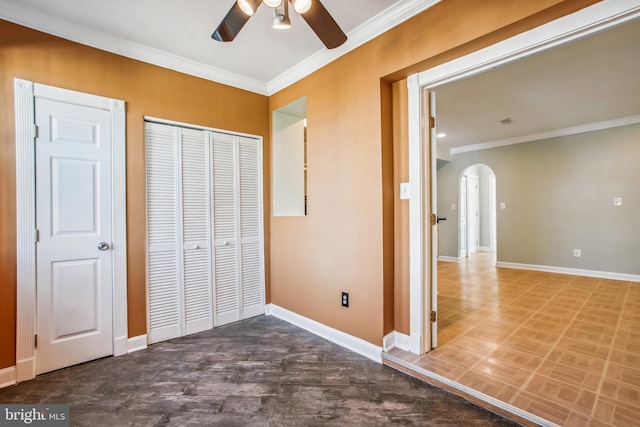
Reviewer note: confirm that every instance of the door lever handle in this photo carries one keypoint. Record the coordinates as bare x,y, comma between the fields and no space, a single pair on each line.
441,219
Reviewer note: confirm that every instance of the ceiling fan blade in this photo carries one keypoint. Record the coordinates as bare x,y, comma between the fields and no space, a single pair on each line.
231,24
323,24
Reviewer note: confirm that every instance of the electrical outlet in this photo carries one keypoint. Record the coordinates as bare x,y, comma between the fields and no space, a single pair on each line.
577,253
345,299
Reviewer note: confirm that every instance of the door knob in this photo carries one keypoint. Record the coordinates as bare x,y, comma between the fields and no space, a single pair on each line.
103,246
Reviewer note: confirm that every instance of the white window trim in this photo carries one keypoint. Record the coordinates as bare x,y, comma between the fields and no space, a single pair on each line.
25,94
600,16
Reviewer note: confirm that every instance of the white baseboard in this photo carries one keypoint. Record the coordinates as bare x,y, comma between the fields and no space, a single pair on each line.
350,342
389,341
573,271
402,341
25,369
137,343
449,258
120,346
7,376
484,249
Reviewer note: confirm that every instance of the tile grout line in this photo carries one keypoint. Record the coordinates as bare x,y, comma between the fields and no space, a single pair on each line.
553,347
467,370
609,354
514,281
533,372
587,300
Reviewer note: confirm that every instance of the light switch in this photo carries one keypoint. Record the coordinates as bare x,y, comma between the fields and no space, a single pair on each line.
453,206
404,191
503,205
617,201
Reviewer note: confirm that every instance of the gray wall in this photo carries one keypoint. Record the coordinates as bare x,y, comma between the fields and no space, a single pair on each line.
559,197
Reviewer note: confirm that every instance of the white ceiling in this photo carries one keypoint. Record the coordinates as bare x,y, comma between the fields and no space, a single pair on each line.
572,88
177,34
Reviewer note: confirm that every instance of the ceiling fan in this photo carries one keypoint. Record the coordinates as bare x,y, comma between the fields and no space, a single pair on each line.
312,11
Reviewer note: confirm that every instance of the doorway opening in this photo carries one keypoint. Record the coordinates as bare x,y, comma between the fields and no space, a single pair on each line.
472,362
477,223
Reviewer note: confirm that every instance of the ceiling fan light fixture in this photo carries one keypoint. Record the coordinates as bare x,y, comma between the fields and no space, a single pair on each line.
317,17
281,19
273,3
281,23
302,6
249,6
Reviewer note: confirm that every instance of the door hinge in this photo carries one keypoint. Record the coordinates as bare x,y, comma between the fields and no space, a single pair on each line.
434,219
434,317
36,235
35,131
35,341
432,122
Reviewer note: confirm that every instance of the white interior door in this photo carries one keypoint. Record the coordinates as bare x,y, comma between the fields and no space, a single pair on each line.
225,185
205,263
195,230
473,213
251,240
165,314
73,218
463,218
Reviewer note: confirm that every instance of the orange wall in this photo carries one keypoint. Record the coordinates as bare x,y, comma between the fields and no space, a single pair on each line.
401,207
148,90
343,244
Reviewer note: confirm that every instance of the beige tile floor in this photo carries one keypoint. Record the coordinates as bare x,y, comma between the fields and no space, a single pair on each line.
565,348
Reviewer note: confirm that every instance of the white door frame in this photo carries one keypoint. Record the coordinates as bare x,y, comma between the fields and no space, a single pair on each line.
25,94
589,20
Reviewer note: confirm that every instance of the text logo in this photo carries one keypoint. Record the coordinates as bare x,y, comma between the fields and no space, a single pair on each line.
34,415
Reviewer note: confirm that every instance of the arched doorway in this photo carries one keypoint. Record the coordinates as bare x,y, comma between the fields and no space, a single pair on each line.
477,223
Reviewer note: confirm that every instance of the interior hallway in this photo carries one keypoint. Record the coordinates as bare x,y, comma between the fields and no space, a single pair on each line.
565,348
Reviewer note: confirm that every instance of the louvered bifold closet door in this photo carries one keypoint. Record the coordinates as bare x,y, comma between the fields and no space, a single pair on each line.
251,238
224,183
163,270
198,312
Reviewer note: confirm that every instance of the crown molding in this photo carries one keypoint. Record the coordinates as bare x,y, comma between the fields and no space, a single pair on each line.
60,27
17,13
591,127
379,24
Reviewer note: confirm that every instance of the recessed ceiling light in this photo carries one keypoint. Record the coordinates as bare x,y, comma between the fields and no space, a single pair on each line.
441,135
